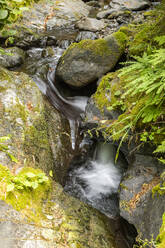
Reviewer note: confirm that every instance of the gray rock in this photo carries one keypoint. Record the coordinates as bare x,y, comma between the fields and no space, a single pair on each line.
130,4
83,35
104,13
137,205
85,62
90,24
11,57
94,3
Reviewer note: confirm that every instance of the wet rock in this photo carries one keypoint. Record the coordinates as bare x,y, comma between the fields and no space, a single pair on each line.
11,57
83,35
90,24
137,205
130,5
94,114
49,21
85,62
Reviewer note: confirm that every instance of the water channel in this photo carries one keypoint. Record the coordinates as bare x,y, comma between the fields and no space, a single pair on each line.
93,177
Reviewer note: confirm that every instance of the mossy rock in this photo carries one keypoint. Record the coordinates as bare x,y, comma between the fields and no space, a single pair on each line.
24,117
11,57
84,62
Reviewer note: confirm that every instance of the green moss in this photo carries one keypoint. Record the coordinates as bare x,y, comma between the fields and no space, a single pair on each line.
159,189
36,143
102,95
25,199
121,39
109,93
99,47
161,237
143,35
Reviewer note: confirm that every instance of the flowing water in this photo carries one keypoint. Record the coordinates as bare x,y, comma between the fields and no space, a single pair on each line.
93,177
96,180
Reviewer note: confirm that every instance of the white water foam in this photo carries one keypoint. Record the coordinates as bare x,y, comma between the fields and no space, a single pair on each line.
102,176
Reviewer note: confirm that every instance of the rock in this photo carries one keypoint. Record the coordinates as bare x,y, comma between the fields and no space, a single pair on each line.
85,62
94,115
83,35
104,13
130,4
49,21
11,57
120,13
94,4
90,24
85,225
137,205
24,113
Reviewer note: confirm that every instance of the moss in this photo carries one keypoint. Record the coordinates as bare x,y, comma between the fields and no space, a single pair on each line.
161,237
99,47
109,93
121,39
159,189
102,95
36,143
26,200
143,35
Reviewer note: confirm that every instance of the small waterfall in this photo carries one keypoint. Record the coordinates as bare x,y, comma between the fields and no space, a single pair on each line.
96,180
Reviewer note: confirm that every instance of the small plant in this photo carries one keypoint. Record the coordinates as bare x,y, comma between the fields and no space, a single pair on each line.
24,191
4,148
145,244
10,11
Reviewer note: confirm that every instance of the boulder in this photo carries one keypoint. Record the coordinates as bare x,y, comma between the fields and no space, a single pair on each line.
49,21
11,57
138,205
24,116
130,4
85,62
90,24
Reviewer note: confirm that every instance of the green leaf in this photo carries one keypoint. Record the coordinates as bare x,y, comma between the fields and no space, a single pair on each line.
30,175
117,93
10,187
51,173
3,14
34,185
13,159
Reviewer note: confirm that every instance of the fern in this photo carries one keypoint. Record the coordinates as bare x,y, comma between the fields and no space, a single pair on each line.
144,98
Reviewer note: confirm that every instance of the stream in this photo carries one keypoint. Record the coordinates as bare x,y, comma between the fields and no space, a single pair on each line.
93,176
